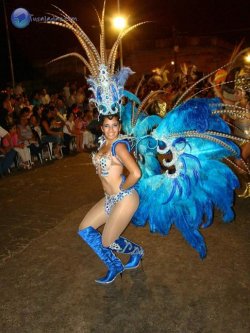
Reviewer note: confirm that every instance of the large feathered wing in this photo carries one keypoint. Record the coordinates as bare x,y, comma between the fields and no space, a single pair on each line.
183,173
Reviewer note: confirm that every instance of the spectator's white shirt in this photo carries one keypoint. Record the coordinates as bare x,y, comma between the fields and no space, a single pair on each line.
45,99
3,132
71,125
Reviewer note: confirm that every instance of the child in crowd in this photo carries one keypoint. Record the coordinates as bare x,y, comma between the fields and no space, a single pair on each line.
20,148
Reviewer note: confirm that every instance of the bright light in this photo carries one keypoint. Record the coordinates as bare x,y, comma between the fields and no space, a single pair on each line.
172,63
247,58
119,22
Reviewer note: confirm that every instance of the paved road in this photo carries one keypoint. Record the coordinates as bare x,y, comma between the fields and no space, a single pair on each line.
47,273
35,201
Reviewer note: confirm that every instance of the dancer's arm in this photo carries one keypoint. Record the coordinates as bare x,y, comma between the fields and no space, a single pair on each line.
130,164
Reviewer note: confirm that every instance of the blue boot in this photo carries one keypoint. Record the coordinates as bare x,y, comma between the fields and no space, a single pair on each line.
123,245
94,239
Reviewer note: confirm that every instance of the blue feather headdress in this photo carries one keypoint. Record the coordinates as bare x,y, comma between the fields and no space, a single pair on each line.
106,85
108,89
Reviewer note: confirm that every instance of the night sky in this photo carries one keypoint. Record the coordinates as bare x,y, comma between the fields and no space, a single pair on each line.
229,20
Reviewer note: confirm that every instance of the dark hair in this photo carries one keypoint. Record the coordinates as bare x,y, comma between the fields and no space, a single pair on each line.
24,110
69,114
52,107
109,116
10,126
248,95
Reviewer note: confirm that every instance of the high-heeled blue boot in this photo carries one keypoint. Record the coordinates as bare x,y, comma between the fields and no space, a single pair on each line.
123,245
94,239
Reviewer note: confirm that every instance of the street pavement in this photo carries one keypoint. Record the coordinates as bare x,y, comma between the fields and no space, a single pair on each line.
47,273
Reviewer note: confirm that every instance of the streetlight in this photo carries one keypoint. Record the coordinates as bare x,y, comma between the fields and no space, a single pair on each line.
247,58
119,23
9,46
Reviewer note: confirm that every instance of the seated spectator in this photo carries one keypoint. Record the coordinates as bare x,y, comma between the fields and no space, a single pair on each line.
22,150
35,100
49,133
4,119
27,137
18,105
19,90
36,116
53,99
88,137
61,107
26,112
72,98
80,97
94,126
7,155
35,121
66,92
44,97
70,132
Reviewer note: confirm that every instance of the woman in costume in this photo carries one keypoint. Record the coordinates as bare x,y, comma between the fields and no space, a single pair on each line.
242,125
180,158
121,200
118,206
237,93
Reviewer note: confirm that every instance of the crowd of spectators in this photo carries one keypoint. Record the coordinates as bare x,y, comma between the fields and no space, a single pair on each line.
171,86
45,126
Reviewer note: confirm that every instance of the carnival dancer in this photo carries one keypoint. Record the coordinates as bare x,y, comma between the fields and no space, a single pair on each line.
121,200
234,90
118,206
242,125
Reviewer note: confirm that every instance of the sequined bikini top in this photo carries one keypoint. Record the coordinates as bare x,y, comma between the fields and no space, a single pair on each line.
103,162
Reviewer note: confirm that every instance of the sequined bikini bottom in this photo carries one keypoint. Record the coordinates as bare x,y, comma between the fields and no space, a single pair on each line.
111,200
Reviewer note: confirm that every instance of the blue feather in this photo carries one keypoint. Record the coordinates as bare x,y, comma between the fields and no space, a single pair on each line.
122,76
204,182
146,125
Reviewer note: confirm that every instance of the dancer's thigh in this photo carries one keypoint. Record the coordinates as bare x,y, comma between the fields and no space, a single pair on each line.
119,218
95,217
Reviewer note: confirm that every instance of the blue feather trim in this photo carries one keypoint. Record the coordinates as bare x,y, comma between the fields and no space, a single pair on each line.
116,143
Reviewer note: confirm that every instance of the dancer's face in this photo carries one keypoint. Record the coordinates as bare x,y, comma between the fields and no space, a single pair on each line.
111,128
